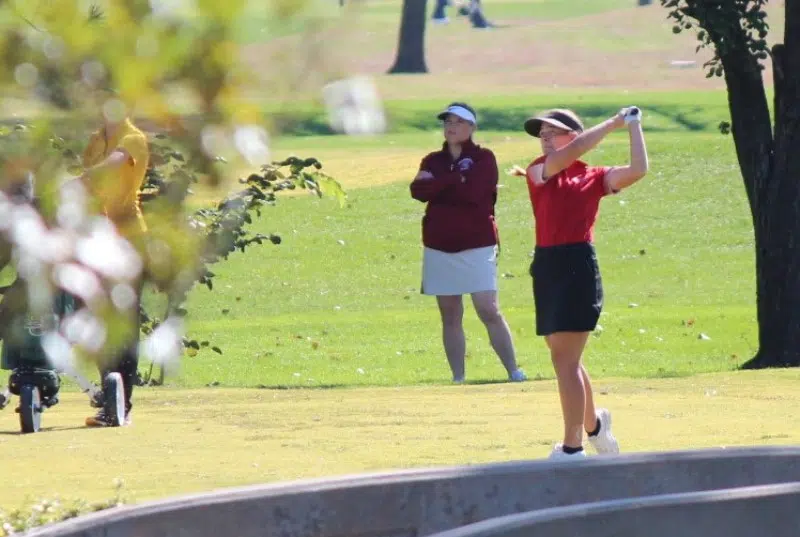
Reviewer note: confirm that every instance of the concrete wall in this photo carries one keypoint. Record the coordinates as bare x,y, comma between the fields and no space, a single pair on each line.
768,510
421,502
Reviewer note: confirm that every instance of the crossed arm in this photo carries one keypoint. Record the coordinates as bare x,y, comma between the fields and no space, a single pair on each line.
470,186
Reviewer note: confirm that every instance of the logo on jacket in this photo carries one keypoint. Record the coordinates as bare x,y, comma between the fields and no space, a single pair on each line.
465,164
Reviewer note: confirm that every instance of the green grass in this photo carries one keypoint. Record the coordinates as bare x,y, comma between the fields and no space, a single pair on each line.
338,303
316,312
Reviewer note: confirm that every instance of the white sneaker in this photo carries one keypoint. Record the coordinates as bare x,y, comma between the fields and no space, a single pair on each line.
558,453
518,375
604,443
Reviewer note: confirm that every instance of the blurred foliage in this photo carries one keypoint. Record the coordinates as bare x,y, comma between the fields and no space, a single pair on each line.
65,65
50,511
219,229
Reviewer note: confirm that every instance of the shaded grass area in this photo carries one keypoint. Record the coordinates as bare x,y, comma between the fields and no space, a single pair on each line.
666,112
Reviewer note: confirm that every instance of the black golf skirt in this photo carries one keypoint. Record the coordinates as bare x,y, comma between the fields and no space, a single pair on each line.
567,288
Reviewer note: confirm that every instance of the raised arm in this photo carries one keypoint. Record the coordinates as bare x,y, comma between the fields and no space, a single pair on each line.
587,140
620,177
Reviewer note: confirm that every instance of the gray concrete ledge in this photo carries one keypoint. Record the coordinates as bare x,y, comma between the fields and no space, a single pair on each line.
769,510
422,502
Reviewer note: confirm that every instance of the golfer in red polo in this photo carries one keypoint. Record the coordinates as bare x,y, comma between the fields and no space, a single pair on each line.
565,194
459,185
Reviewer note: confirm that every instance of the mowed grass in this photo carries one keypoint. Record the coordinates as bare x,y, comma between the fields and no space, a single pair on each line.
186,441
338,302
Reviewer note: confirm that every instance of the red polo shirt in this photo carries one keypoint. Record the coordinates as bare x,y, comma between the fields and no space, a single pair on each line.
565,207
460,197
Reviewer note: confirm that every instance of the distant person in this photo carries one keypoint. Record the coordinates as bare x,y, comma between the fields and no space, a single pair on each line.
115,163
459,185
439,15
471,9
565,194
476,16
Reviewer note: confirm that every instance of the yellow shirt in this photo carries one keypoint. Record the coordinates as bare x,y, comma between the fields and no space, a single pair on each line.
116,192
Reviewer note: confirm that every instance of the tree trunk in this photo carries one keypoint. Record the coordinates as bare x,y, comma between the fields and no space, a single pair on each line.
411,42
777,216
777,238
770,173
769,160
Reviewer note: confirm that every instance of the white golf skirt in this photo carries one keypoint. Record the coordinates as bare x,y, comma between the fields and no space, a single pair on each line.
459,273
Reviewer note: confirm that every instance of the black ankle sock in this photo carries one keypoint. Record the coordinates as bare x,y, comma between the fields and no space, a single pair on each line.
571,450
596,429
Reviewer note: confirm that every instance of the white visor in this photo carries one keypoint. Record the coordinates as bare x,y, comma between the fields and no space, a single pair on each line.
461,112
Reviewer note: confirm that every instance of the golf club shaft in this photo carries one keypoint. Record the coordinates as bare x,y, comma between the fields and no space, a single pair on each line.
83,382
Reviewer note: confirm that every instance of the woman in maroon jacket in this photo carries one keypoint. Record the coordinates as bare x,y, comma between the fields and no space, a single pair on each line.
459,184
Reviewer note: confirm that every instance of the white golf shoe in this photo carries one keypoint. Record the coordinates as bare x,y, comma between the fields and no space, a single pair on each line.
558,453
604,442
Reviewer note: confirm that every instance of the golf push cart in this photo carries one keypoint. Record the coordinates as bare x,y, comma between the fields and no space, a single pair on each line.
33,377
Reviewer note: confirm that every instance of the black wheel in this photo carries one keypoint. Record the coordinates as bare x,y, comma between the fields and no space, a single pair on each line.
30,409
114,399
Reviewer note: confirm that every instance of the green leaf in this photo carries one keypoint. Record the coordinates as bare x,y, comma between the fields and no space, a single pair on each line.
328,186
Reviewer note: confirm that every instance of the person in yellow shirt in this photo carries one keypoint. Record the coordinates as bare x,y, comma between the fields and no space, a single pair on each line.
115,162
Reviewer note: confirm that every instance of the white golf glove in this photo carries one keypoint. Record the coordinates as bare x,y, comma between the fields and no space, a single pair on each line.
632,113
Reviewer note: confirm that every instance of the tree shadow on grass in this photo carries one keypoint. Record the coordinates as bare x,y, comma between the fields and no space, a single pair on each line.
52,429
508,119
422,383
313,121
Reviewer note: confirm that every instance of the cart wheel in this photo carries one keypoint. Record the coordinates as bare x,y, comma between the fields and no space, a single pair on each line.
114,400
30,408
